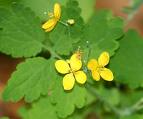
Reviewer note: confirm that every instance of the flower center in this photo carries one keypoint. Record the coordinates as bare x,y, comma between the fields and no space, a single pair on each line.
50,14
100,68
72,71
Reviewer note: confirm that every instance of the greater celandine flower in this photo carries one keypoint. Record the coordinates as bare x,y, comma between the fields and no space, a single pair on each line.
97,67
72,70
55,17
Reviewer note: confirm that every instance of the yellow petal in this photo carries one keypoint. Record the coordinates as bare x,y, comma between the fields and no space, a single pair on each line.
75,62
68,81
106,74
95,75
92,64
62,66
80,77
57,11
50,29
49,25
103,59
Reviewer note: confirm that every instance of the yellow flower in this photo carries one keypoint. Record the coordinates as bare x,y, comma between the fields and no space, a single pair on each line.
98,67
51,23
72,70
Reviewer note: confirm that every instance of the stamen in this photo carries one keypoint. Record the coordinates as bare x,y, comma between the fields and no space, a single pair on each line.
50,14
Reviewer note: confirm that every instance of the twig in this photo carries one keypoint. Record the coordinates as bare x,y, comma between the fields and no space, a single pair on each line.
137,106
94,92
119,112
135,9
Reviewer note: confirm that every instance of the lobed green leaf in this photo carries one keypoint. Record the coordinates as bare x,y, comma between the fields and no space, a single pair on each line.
101,33
42,7
127,63
21,34
41,109
30,80
64,39
66,101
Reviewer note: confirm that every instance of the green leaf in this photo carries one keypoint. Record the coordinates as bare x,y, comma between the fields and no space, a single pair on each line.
64,39
41,109
87,8
134,116
42,7
127,64
21,34
66,101
101,33
30,80
135,96
112,95
37,76
64,104
7,3
79,114
48,110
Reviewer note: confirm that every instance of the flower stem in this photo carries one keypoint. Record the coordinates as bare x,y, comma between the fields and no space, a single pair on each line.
54,54
63,23
135,8
118,112
95,93
137,106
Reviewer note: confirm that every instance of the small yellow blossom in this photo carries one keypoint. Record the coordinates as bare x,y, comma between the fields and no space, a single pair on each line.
71,69
98,67
55,17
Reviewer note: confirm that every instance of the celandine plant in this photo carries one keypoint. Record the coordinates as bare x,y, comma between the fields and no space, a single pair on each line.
77,43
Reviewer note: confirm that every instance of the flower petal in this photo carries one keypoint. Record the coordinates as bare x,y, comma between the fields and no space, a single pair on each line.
75,62
68,81
103,59
62,66
49,25
92,64
80,77
106,74
57,11
95,75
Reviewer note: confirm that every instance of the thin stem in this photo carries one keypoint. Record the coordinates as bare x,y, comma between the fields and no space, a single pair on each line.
94,92
65,24
54,54
85,60
119,112
88,52
131,16
137,106
69,31
135,8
